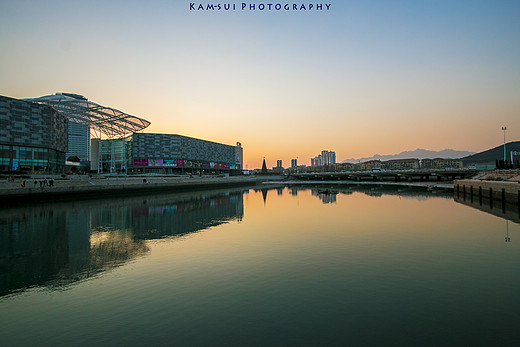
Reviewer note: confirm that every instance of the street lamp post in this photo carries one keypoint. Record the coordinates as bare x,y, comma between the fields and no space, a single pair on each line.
504,130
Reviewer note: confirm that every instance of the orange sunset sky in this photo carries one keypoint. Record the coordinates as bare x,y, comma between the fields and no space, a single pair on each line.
362,78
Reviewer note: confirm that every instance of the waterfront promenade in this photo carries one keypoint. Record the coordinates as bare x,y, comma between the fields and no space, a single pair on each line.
77,187
422,175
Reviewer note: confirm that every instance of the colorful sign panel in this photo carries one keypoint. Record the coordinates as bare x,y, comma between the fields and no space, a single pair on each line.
181,163
169,163
140,162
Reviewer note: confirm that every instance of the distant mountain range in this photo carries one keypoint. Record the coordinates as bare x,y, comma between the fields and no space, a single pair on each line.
486,157
417,154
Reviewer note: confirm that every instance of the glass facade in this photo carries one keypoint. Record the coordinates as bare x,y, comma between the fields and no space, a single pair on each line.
111,154
33,137
79,141
25,159
165,153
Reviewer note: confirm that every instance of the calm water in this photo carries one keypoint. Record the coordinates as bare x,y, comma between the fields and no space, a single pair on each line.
283,266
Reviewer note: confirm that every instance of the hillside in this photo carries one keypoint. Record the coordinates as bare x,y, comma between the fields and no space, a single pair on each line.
491,155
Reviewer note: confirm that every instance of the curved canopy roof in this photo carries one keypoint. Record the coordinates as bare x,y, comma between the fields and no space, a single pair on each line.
106,120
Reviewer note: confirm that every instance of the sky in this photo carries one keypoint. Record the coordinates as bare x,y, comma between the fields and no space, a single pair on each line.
362,78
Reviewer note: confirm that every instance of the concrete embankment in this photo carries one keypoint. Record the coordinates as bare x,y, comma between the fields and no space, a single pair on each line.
430,185
498,191
35,190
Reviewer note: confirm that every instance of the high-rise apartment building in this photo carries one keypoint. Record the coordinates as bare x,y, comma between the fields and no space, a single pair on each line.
325,158
79,141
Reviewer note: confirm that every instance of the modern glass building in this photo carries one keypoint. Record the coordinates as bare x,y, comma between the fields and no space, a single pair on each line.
79,141
85,117
165,153
38,134
33,137
107,155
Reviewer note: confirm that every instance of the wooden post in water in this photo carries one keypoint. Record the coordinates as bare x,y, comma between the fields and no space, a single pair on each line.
458,193
464,192
491,198
480,195
471,193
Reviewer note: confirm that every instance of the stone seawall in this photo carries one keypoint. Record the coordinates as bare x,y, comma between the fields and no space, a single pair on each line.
13,192
498,191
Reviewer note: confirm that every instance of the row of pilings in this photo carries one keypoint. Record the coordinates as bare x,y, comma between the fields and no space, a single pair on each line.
494,194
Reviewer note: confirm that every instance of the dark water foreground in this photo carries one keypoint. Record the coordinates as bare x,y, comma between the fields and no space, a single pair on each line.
274,266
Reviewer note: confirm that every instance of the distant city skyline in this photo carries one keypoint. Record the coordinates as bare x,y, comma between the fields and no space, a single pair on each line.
361,78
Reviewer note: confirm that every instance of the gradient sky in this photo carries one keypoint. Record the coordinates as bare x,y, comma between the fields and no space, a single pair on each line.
365,77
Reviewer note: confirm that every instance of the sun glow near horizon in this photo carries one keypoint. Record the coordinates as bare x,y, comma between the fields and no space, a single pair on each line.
359,79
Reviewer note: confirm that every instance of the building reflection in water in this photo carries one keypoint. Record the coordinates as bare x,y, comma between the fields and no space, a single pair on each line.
326,195
329,194
33,247
55,245
58,244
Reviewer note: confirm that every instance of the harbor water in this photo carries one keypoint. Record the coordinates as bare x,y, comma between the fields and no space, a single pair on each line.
272,266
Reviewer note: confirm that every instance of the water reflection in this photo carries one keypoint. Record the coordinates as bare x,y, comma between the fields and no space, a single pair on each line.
377,267
507,238
59,244
507,211
328,193
33,247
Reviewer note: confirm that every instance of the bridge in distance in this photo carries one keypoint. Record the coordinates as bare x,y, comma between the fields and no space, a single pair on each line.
394,176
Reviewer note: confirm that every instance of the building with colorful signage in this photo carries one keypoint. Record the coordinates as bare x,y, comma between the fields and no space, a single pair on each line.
166,154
